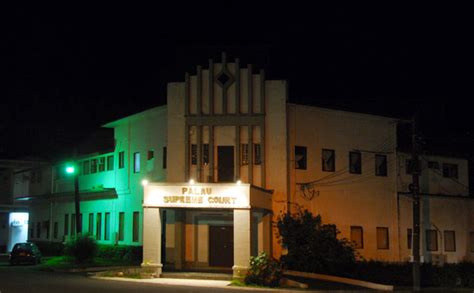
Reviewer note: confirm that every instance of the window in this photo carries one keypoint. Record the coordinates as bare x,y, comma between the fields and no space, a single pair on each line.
245,154
355,162
150,154
411,166
98,226
121,226
136,162
91,224
194,154
357,236
258,154
107,226
164,157
101,164
382,238
73,224
205,153
300,157
38,230
380,165
449,241
94,166
121,162
136,226
46,226
66,224
86,167
431,240
471,241
110,163
450,170
433,165
409,237
55,230
328,160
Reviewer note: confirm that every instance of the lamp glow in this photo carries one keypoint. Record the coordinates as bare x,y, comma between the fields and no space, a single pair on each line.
191,181
70,170
239,182
144,182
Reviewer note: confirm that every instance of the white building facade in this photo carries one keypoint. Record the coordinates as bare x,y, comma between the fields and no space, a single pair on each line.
251,155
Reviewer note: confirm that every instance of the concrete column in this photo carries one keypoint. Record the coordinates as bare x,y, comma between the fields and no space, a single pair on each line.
152,240
242,241
267,233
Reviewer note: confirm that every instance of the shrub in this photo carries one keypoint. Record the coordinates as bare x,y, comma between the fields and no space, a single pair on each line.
312,246
127,253
50,248
264,271
83,248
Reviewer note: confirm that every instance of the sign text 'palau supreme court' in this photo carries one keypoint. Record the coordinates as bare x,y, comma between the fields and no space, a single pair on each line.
200,195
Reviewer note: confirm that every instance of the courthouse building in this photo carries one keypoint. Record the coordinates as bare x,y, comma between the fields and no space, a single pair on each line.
200,181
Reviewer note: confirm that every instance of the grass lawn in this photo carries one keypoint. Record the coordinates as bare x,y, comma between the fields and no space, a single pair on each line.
67,262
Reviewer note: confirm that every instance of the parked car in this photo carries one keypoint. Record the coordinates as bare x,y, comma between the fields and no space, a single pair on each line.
25,253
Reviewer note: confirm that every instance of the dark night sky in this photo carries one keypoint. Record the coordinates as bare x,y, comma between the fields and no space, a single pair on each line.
67,70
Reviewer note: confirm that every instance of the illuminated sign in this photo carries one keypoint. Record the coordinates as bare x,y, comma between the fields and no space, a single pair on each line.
197,195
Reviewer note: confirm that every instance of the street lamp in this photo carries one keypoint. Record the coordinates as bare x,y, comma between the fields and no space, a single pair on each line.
71,170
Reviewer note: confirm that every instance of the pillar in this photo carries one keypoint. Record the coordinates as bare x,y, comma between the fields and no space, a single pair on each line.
152,240
242,242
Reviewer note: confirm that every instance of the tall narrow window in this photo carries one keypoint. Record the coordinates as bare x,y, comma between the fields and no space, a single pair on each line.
449,241
73,224
245,154
355,162
328,160
380,165
357,236
86,167
300,157
101,164
94,166
121,226
382,238
431,240
164,157
55,230
136,162
193,154
91,224
98,227
409,238
38,230
121,160
136,226
46,226
110,163
66,224
107,226
205,153
258,154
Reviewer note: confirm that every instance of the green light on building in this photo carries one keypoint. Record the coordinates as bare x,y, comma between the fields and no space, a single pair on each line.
70,169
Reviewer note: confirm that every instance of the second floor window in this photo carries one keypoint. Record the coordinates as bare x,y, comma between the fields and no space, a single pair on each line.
121,161
258,154
450,170
205,153
94,166
136,162
380,165
101,164
244,154
110,163
86,167
355,162
194,154
300,157
328,160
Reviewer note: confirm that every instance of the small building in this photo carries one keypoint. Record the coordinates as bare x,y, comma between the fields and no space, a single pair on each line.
201,181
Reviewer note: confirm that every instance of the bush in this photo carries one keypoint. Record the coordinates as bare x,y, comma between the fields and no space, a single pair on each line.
83,249
312,246
264,271
127,253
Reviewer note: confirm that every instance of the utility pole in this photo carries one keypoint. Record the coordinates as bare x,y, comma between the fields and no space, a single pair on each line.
416,208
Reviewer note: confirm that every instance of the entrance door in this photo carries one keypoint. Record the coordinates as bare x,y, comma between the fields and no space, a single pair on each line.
225,163
221,246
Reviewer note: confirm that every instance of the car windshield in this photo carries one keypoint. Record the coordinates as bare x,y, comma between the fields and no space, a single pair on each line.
22,246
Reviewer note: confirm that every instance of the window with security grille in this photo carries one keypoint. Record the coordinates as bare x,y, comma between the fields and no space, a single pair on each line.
355,162
245,154
328,160
205,153
194,154
101,164
300,157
